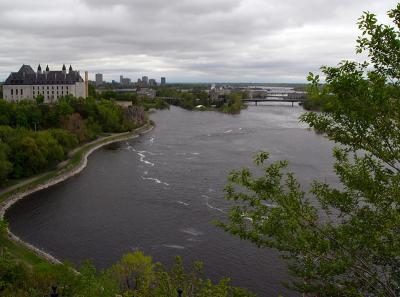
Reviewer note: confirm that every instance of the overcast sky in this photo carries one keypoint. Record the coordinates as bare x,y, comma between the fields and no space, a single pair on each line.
184,40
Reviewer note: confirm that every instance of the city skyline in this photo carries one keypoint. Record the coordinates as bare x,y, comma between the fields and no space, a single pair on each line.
186,41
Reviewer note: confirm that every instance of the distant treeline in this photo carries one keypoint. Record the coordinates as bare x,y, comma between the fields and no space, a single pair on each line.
132,97
231,103
188,99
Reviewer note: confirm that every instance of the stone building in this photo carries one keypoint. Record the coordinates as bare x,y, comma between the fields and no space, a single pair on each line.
28,84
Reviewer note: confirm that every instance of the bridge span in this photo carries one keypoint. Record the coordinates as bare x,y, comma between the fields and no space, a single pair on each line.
275,99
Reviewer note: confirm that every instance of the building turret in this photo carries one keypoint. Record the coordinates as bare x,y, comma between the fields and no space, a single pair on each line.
64,69
39,69
47,69
70,69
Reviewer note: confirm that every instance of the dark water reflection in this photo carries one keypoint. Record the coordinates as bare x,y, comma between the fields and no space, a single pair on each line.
160,193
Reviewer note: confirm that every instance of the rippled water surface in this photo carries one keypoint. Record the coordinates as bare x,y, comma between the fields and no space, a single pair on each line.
161,192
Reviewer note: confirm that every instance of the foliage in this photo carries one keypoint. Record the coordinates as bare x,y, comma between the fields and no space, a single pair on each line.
345,240
110,116
318,97
192,98
170,92
66,139
156,103
92,90
43,116
185,99
234,104
61,127
146,103
5,164
3,227
108,94
117,96
39,99
28,152
134,275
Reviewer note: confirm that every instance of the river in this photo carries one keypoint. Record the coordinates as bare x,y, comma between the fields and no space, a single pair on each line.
160,193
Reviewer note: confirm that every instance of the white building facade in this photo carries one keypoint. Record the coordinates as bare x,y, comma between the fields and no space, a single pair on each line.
28,84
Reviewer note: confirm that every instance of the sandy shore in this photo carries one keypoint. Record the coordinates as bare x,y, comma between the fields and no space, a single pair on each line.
16,196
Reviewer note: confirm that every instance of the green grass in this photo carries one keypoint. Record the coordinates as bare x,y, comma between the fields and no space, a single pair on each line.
21,253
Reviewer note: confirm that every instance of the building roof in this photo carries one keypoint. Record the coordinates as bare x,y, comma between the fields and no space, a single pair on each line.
26,76
26,69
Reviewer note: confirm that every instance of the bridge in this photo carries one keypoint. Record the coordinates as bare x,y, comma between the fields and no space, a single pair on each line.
277,96
275,99
255,100
125,90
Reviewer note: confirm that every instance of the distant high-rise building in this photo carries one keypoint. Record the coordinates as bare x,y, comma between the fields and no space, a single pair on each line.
145,80
163,81
152,82
99,79
126,81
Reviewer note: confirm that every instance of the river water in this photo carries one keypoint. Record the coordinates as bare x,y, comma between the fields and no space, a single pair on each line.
161,192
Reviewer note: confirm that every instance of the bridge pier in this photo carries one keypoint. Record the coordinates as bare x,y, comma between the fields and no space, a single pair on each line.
256,103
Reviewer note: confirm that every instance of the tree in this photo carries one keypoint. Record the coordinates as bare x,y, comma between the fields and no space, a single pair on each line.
138,275
51,150
66,139
342,241
27,157
5,165
92,90
5,113
234,104
134,275
110,116
135,272
63,108
39,99
75,124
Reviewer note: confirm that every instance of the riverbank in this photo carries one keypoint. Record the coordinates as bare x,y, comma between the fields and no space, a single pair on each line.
71,167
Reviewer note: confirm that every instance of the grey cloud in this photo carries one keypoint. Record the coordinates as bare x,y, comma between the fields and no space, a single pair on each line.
256,40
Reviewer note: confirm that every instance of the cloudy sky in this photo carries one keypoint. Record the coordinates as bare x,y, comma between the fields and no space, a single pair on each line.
184,40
